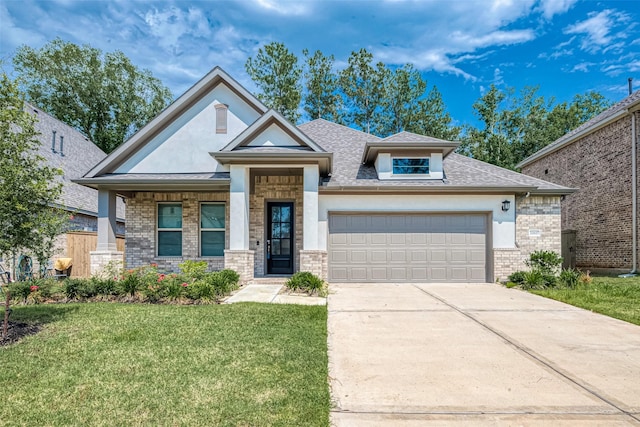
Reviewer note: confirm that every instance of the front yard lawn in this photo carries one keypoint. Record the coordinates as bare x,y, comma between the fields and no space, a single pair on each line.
614,296
134,364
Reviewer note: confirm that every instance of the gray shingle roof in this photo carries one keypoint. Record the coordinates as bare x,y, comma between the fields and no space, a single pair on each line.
411,137
595,122
79,155
460,171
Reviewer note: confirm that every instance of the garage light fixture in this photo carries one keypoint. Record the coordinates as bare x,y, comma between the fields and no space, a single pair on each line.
506,205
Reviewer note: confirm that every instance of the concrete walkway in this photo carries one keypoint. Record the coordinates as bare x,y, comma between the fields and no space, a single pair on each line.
476,354
271,294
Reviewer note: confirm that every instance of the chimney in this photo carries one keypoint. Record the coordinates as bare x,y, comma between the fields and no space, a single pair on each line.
630,80
53,142
62,145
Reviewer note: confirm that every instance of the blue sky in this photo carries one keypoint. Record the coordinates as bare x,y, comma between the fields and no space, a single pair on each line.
565,46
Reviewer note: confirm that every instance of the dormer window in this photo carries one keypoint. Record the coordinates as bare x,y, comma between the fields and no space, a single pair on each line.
410,166
221,118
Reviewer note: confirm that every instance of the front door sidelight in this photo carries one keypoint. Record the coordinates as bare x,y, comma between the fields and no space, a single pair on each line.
280,241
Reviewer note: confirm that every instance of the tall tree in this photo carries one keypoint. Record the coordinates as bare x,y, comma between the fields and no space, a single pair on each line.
276,71
104,96
322,98
28,187
490,143
432,118
362,85
400,106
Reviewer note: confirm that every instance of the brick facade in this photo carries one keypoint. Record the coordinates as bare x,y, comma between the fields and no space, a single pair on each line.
141,229
538,221
274,188
599,166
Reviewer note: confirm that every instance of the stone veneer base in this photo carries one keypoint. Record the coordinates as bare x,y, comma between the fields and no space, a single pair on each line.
242,261
101,259
314,261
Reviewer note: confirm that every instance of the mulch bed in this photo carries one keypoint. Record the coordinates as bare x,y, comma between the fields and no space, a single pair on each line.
17,331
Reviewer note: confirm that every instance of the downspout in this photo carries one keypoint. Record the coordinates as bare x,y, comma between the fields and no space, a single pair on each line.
634,192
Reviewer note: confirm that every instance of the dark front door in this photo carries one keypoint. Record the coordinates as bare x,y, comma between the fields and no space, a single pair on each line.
280,237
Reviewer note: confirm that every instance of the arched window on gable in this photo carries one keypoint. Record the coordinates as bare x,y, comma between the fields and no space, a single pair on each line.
221,118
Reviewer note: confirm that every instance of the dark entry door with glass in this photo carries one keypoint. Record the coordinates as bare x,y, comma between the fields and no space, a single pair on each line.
280,237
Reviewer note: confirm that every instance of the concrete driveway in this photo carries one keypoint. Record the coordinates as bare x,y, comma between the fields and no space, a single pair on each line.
476,354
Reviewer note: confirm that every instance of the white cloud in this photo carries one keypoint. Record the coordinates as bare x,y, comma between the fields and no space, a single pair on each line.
597,31
550,8
290,7
583,67
171,24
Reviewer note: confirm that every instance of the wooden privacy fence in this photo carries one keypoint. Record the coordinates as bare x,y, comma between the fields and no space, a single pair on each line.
79,246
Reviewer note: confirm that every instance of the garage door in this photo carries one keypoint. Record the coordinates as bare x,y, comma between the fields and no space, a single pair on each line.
405,248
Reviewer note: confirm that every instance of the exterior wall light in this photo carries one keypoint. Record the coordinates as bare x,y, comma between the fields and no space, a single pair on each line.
506,205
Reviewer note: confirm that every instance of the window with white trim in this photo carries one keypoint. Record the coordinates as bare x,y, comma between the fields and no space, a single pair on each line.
410,165
221,118
212,229
169,230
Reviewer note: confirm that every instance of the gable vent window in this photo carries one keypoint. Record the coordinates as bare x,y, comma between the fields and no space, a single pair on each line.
221,118
411,166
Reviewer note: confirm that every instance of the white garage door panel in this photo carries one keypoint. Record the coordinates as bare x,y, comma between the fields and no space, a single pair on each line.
404,248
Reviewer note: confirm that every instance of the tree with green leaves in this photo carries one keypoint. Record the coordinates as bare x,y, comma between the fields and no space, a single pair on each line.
400,106
362,85
276,71
322,98
432,118
28,186
515,127
104,96
491,143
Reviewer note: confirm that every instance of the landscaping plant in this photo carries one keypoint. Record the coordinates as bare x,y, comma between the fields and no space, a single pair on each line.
306,282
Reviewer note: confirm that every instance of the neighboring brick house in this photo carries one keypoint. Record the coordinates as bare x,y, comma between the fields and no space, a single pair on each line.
597,159
65,148
219,177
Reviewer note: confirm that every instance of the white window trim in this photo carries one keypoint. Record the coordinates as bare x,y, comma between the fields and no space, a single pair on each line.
200,229
159,230
411,175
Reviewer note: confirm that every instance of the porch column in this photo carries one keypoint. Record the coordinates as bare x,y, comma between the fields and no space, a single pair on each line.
106,220
106,252
310,205
239,257
312,258
239,208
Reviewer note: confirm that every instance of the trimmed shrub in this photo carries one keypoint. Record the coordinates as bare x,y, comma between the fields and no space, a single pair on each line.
306,282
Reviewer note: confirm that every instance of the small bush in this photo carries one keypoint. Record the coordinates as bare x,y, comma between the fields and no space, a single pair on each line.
548,262
73,288
306,282
107,287
20,290
569,278
194,270
201,290
517,277
230,277
533,279
130,284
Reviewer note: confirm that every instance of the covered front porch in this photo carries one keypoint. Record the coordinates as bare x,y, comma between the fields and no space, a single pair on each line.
269,228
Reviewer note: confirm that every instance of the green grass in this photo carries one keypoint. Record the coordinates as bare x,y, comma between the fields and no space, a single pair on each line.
612,296
129,364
